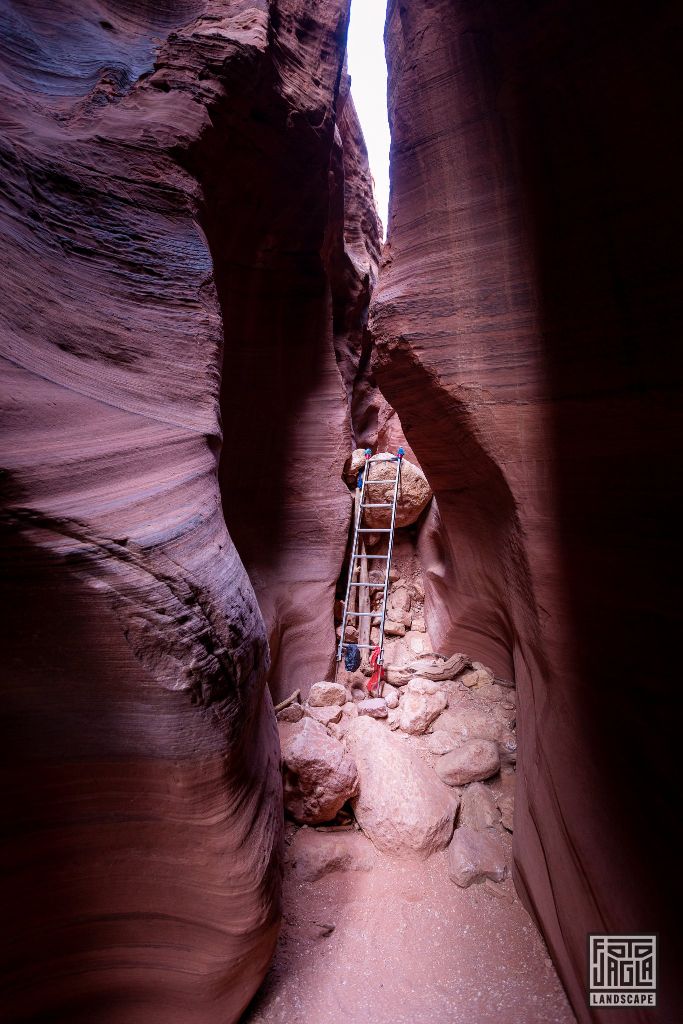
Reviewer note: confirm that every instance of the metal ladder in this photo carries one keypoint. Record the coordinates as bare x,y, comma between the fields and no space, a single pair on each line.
356,556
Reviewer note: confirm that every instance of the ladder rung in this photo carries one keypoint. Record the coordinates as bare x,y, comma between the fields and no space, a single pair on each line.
380,481
371,556
369,529
365,615
368,585
384,504
370,647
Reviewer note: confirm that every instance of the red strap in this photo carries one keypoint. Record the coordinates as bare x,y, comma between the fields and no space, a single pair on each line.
376,676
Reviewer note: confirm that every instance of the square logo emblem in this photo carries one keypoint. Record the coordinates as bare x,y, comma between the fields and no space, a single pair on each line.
622,970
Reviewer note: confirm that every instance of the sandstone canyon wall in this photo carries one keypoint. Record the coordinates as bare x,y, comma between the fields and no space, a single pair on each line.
526,334
183,187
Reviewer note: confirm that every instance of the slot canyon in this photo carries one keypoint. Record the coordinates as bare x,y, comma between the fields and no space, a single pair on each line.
202,328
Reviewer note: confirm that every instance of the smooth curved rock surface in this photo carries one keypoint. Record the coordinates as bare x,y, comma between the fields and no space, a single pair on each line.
295,265
527,335
171,174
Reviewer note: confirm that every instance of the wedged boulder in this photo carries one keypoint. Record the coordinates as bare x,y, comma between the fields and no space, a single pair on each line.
478,808
319,774
315,854
422,702
413,497
374,707
474,761
324,694
475,855
401,805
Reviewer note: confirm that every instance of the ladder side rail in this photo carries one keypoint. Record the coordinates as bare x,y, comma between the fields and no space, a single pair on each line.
352,560
386,579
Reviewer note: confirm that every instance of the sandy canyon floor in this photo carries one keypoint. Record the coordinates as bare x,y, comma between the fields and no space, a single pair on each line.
400,943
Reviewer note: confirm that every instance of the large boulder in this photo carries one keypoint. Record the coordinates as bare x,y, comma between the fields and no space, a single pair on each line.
475,855
401,805
422,702
473,761
319,775
414,493
472,722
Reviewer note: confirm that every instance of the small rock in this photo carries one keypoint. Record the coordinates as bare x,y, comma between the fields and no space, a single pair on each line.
394,720
326,716
440,742
506,801
473,761
324,694
350,709
507,748
390,695
319,775
400,594
351,634
486,673
422,702
393,628
418,644
339,729
419,625
474,677
422,685
292,713
315,854
474,856
374,707
478,808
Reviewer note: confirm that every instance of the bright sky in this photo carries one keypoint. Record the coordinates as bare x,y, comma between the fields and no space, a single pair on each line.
368,70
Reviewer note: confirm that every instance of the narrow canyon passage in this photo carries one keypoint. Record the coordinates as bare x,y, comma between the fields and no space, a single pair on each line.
202,326
382,919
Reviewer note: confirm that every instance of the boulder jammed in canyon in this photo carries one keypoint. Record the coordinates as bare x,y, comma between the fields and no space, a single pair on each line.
184,190
525,329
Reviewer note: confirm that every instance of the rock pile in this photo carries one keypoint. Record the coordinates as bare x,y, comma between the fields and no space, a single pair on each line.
427,766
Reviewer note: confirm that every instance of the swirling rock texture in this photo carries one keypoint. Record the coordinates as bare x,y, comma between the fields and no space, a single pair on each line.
524,326
181,184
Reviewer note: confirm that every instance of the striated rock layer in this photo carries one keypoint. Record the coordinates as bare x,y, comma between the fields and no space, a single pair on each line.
170,175
525,337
